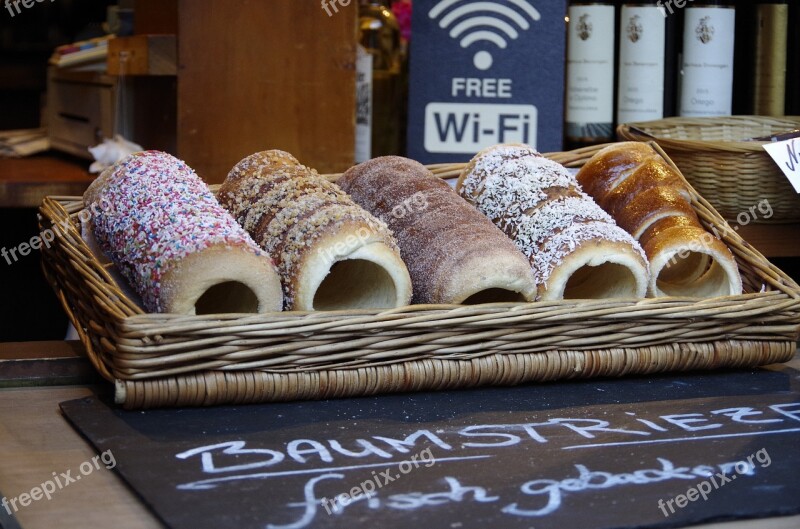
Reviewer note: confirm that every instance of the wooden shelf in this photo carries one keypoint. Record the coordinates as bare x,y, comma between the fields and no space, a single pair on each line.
37,441
24,182
24,364
773,240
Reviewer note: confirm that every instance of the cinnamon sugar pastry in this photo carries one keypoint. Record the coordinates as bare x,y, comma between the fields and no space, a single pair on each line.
169,237
574,247
454,254
651,201
331,253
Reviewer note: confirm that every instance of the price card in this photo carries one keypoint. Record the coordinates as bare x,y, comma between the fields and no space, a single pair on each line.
787,155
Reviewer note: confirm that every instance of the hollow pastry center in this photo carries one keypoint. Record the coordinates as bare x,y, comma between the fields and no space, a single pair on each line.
684,269
227,297
494,295
695,274
608,280
355,284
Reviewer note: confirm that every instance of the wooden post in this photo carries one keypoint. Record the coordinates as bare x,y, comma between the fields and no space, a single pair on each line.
256,75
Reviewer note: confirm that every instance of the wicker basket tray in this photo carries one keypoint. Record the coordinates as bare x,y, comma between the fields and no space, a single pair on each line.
160,360
734,175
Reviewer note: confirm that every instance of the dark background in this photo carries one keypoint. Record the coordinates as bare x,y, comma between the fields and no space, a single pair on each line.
29,309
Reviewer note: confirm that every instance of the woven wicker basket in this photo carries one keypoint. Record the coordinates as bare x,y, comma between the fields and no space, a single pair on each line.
734,175
160,360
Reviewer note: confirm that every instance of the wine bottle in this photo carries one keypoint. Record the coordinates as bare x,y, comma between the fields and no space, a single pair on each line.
793,62
378,81
744,58
363,105
771,40
707,65
590,73
646,68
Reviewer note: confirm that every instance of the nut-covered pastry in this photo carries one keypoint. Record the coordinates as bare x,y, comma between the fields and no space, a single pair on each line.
331,254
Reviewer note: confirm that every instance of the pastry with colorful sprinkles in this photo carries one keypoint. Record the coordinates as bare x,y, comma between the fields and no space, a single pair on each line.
331,254
575,249
169,237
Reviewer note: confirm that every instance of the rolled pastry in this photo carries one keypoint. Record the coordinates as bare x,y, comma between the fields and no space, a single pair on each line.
331,254
169,237
454,254
651,201
575,249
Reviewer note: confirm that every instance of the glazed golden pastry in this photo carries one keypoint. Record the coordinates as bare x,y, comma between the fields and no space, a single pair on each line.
650,200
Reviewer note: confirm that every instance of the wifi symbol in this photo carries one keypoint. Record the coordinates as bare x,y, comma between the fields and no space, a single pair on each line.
470,25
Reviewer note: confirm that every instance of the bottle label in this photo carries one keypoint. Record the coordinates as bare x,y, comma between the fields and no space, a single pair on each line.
590,71
363,105
707,68
640,94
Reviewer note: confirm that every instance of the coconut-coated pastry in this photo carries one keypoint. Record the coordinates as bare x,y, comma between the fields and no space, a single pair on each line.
575,249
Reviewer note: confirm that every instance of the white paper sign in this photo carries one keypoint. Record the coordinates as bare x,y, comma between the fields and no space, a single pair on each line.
787,155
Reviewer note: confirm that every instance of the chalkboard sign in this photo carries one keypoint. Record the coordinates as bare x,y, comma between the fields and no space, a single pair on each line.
655,452
485,72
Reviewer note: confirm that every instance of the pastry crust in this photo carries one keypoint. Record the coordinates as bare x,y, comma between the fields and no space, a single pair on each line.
331,254
615,165
92,193
652,202
651,205
362,271
574,248
646,176
689,261
454,254
221,279
597,269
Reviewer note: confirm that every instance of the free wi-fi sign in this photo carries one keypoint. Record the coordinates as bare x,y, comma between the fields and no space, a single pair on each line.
476,21
485,72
